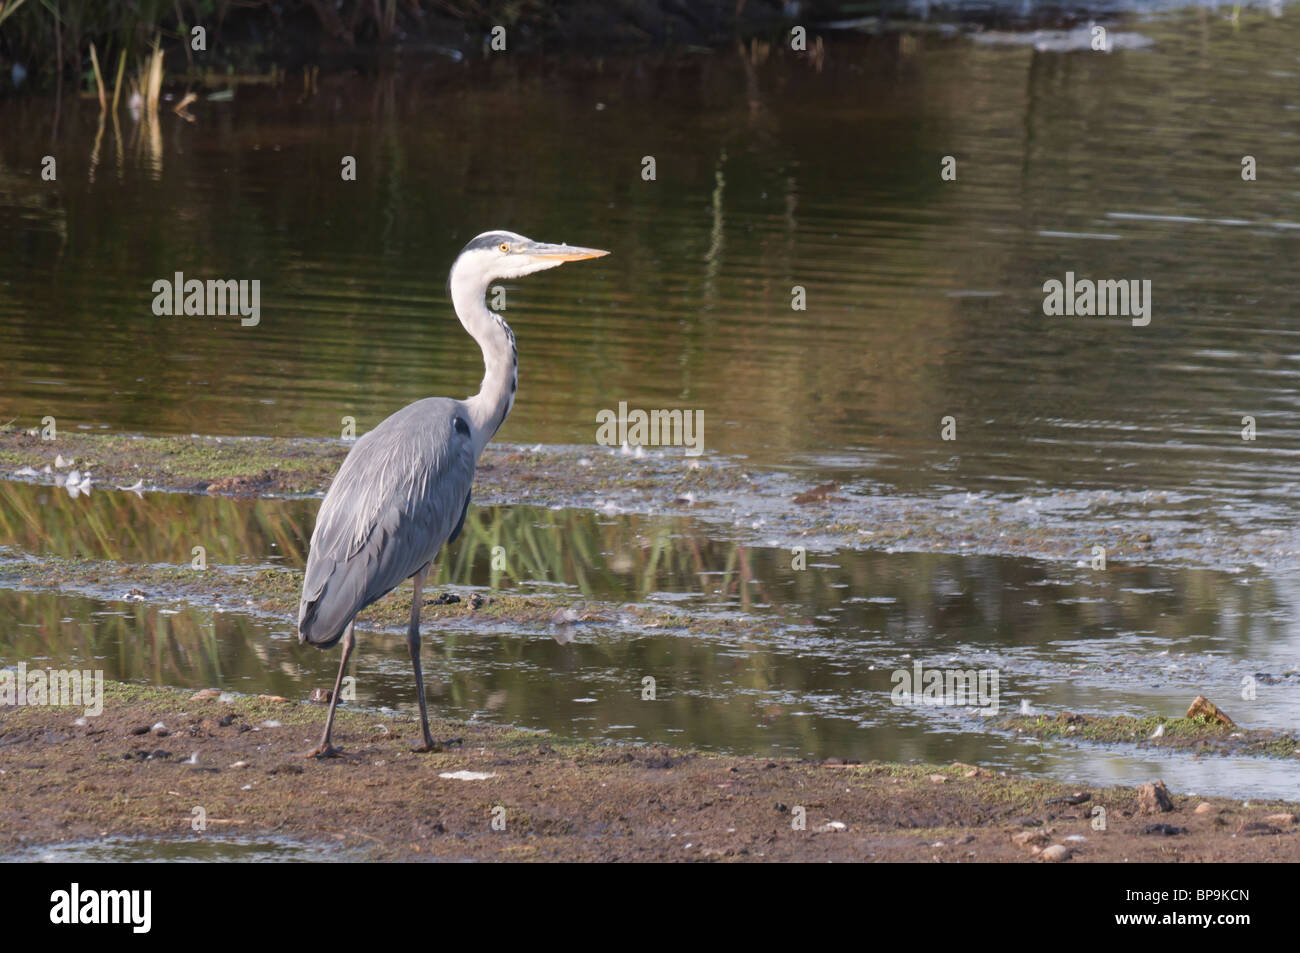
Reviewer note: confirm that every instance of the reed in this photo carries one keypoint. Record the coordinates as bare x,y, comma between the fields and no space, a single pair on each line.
50,37
117,84
9,9
146,84
99,78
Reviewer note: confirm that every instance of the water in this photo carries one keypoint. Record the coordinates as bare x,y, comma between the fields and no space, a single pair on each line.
209,849
923,296
924,300
779,662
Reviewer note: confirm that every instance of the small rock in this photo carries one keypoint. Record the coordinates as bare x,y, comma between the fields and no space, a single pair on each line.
1154,798
1283,819
160,730
939,778
204,694
1205,807
1030,838
1055,854
833,827
476,601
272,698
321,695
1203,706
141,730
240,764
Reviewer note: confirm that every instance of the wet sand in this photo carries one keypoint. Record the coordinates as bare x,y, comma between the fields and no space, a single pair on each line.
558,800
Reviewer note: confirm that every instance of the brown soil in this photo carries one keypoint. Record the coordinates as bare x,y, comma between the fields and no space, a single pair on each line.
562,800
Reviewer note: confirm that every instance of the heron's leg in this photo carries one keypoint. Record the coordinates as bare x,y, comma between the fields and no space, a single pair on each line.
325,749
413,644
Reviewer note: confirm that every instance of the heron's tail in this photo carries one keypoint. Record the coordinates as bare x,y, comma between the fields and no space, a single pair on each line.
317,628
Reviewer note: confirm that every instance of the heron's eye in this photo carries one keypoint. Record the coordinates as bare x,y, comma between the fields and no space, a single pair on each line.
504,246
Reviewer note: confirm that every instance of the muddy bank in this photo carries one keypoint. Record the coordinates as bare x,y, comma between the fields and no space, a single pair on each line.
764,506
1191,735
239,761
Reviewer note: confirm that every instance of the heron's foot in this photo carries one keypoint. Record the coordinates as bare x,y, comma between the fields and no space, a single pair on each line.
324,751
432,747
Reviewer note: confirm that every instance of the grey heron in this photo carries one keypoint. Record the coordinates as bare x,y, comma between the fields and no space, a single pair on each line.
403,490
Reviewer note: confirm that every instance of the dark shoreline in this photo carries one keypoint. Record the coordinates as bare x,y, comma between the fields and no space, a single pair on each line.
311,34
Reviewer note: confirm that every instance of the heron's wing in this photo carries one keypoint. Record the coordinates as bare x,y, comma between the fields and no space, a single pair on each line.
402,492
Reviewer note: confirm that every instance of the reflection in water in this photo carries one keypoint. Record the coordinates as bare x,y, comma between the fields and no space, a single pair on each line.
154,527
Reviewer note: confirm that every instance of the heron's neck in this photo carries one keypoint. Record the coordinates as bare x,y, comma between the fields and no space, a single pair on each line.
488,408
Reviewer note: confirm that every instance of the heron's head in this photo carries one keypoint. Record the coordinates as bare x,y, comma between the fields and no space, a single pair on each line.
500,254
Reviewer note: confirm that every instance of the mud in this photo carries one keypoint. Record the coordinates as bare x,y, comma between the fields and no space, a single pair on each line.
559,800
749,503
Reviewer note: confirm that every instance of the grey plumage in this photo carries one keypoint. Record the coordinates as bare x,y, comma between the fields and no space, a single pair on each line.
403,491
399,496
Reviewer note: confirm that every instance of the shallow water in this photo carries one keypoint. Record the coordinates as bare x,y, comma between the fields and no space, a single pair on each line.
923,300
781,662
205,848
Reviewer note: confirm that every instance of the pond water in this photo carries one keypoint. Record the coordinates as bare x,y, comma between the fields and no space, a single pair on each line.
924,300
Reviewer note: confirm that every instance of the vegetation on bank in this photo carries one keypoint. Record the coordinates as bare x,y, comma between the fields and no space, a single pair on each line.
1198,735
52,39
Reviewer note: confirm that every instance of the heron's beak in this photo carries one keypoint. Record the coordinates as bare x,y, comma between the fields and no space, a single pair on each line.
563,253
